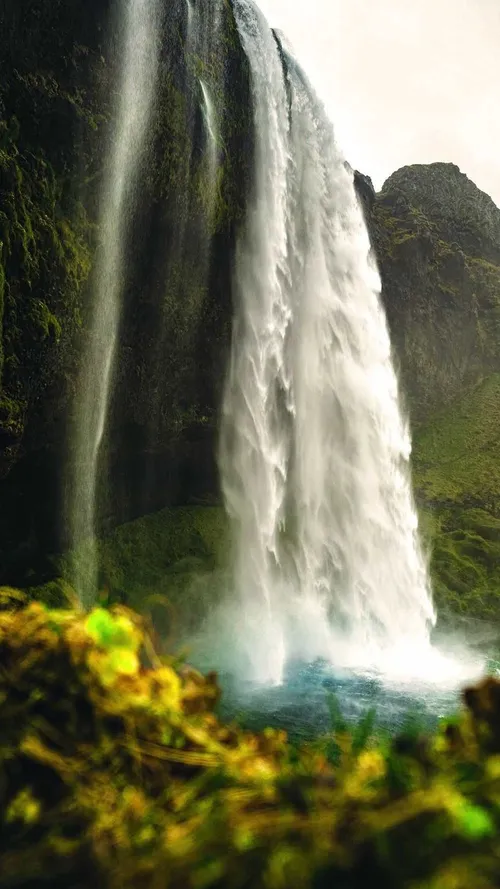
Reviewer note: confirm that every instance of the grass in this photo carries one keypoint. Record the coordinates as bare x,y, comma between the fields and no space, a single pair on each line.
457,453
457,479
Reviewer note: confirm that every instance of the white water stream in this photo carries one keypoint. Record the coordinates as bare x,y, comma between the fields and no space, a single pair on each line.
211,124
314,451
136,88
203,52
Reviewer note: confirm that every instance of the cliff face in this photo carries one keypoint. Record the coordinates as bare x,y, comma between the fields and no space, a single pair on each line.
177,313
57,75
437,239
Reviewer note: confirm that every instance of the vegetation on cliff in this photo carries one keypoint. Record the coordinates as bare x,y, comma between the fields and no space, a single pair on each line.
437,239
457,476
51,74
53,103
114,772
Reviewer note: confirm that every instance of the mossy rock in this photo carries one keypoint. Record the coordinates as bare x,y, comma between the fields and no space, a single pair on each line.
172,563
436,238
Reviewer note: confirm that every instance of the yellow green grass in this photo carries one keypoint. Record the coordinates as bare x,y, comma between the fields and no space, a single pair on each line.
115,772
457,479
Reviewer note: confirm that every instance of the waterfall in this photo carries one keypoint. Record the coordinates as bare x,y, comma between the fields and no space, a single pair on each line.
138,70
314,451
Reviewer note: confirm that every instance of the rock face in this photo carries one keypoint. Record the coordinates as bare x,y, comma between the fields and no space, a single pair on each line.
57,75
366,192
53,87
437,240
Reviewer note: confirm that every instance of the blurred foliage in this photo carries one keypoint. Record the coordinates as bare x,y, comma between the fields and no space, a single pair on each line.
114,772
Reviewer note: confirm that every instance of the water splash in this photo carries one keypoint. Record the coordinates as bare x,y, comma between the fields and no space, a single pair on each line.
137,77
314,450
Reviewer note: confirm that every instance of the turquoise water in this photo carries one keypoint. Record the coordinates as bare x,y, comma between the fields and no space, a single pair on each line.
301,704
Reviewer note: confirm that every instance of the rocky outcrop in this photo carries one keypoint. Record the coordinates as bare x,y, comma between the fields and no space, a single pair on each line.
366,192
459,211
177,310
437,240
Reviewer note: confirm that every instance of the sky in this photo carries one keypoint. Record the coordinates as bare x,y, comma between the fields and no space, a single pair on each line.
404,81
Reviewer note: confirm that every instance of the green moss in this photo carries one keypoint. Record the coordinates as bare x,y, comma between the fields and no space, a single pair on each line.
54,594
447,289
456,453
45,321
176,555
404,237
45,264
443,248
465,564
2,306
457,479
12,414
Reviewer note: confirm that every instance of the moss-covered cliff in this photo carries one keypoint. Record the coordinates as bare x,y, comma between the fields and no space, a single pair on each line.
177,306
437,239
57,76
53,87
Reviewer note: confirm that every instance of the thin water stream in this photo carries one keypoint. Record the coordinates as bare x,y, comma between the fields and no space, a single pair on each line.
138,29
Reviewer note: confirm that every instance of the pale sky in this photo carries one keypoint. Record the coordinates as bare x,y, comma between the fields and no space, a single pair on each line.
405,81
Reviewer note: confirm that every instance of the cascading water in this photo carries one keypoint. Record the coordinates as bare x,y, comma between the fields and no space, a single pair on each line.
314,451
202,48
358,556
212,131
139,19
254,439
